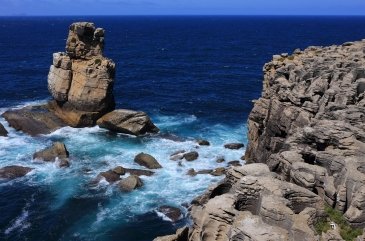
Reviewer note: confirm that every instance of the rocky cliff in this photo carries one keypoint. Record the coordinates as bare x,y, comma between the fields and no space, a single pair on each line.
80,81
306,154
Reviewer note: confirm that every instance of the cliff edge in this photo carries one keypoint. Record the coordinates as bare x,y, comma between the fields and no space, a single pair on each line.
305,158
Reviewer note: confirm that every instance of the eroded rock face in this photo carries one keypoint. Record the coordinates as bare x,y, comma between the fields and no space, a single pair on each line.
307,143
81,80
308,126
128,122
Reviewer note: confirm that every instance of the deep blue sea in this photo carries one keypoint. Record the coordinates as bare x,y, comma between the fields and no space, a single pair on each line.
195,76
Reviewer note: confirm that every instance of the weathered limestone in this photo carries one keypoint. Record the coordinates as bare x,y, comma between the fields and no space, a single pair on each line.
81,80
307,145
308,126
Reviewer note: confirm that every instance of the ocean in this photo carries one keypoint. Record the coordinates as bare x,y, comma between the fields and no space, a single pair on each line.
196,76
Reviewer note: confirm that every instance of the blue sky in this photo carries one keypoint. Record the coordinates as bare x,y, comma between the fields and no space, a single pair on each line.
182,7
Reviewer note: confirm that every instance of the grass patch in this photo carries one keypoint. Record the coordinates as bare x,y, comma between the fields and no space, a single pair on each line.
346,231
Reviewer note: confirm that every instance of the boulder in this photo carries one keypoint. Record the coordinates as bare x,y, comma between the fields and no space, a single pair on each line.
147,160
172,213
203,142
178,155
139,172
191,156
130,183
218,171
3,131
12,172
33,120
110,176
119,170
127,122
234,146
50,154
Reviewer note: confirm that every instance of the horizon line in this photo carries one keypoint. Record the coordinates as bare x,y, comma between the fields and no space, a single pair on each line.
187,15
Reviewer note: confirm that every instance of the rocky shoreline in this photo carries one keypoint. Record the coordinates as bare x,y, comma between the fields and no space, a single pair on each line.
305,156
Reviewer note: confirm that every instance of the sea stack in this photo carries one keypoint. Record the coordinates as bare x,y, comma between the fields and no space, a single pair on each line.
81,79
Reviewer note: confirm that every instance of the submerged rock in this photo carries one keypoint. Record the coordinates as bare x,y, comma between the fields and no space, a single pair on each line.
147,160
139,172
50,154
172,213
191,156
12,172
234,146
127,122
130,183
3,131
33,120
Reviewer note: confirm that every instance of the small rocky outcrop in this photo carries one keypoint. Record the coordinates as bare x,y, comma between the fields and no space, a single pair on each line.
191,156
110,176
234,146
139,172
203,143
12,172
130,183
147,160
128,122
172,213
3,131
33,120
57,151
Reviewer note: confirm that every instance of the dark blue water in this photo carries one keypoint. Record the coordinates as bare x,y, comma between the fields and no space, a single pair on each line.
196,77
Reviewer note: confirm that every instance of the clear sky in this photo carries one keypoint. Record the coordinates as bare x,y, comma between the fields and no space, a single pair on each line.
182,7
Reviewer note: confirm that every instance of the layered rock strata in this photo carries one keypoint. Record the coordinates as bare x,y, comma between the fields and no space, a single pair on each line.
81,80
308,126
306,148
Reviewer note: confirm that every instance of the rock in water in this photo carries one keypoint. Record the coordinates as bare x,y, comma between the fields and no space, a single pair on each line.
147,160
173,213
12,172
33,120
130,183
191,156
50,154
3,131
110,176
81,80
234,146
203,142
128,122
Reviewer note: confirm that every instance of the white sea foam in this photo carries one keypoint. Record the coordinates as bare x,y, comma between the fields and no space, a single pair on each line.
95,150
20,223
